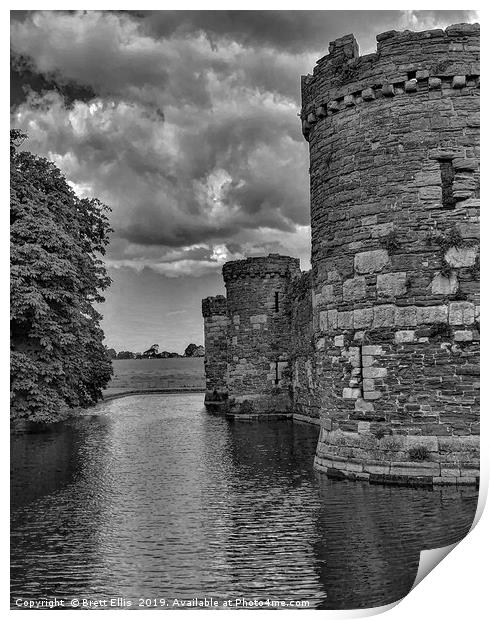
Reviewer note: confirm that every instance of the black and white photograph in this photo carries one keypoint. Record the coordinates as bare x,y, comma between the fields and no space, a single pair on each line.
244,306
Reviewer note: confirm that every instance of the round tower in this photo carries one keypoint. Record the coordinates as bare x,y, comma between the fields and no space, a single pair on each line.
394,153
215,314
258,341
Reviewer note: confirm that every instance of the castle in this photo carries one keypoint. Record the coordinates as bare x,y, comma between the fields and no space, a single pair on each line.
379,342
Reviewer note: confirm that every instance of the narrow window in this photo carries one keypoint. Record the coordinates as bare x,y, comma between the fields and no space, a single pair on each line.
277,301
447,179
411,75
276,381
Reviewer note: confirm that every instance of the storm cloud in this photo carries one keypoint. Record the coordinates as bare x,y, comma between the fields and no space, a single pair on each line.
183,122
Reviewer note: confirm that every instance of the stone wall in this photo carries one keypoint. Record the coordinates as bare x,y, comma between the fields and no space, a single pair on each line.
215,314
394,153
304,395
259,335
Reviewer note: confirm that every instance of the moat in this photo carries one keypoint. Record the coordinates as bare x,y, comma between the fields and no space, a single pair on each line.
150,496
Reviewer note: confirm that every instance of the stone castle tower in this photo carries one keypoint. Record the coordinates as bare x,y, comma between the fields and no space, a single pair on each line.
380,341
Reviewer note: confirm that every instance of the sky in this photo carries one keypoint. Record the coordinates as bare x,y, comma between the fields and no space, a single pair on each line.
186,124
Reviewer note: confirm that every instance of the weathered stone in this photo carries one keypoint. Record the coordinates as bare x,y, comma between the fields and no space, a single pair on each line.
443,285
391,284
363,317
461,313
368,94
463,336
372,261
432,314
405,335
461,257
384,316
351,393
411,86
406,316
435,83
459,81
354,289
339,341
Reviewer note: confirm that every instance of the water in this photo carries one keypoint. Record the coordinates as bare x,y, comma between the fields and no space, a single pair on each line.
152,497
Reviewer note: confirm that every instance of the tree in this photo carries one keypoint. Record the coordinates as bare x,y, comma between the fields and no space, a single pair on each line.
111,353
189,350
58,360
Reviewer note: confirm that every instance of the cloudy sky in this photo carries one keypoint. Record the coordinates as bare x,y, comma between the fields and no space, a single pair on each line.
185,124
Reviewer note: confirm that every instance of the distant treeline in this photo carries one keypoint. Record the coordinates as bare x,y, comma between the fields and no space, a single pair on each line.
192,350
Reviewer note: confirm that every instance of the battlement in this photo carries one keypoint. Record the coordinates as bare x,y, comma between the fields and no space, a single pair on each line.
405,63
212,306
261,267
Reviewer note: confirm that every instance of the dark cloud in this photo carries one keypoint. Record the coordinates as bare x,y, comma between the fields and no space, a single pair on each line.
185,123
292,31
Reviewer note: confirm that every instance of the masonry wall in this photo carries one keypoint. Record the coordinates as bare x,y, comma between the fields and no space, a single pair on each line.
259,335
304,395
394,153
215,314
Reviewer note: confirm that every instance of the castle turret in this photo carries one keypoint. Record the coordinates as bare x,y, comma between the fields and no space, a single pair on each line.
258,343
394,153
214,311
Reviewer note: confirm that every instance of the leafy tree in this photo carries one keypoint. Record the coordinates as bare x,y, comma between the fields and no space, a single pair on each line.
125,355
189,350
58,360
111,353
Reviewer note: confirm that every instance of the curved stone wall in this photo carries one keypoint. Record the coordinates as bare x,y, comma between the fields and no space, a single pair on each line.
394,150
259,339
215,314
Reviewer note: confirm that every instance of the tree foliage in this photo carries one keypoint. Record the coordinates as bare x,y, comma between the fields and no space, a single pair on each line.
58,360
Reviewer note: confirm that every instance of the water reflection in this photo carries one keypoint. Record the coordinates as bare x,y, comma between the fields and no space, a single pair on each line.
156,498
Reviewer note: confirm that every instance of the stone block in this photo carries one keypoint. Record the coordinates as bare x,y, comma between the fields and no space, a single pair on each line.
384,316
411,86
430,193
258,318
374,373
459,81
363,405
372,395
372,349
388,90
368,94
368,384
461,313
463,335
338,341
443,285
404,335
351,393
354,289
321,112
363,317
432,314
349,101
461,257
371,261
345,320
406,316
435,83
422,74
362,426
391,284
333,106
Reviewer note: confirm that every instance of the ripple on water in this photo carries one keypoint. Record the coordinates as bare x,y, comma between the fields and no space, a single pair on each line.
153,497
